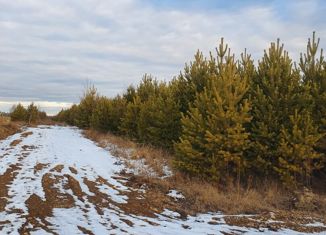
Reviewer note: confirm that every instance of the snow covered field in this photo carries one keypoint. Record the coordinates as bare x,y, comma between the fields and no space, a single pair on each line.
55,181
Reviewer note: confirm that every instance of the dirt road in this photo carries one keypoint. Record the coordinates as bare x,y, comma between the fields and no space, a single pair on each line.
55,181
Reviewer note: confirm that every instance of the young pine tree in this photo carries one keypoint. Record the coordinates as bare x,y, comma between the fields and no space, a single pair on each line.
213,137
32,113
108,113
129,121
313,68
130,94
18,113
159,119
193,80
281,118
274,92
146,90
86,107
100,119
297,156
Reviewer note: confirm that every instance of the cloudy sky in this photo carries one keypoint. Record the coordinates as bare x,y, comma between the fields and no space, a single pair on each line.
50,49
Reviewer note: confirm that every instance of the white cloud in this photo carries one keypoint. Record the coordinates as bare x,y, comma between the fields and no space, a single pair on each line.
48,49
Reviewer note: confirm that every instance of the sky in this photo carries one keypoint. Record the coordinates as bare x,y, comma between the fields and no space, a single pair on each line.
51,49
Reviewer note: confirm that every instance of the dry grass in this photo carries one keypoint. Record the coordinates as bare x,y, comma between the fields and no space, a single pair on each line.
4,120
203,196
46,121
155,158
9,128
103,139
130,151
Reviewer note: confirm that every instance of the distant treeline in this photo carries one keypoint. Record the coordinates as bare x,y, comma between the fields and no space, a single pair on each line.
225,118
30,114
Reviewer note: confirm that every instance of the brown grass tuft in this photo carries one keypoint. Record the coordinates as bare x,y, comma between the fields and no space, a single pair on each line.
8,129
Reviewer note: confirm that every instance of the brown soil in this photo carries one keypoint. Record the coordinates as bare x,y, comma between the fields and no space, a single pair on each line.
57,168
37,207
5,180
100,200
28,147
128,222
54,197
4,222
74,185
73,170
40,209
25,134
154,200
15,142
40,166
84,230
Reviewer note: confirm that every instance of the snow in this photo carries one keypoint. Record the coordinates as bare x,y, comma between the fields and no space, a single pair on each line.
56,145
316,224
167,172
175,194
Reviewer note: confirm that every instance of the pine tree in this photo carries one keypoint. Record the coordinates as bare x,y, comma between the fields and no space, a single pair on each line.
72,115
86,107
297,156
129,121
281,118
314,76
100,119
213,137
192,81
32,113
107,114
18,113
148,88
247,70
159,119
313,67
274,92
130,94
69,116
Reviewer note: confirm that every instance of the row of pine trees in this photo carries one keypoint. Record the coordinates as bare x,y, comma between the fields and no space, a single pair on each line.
224,117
